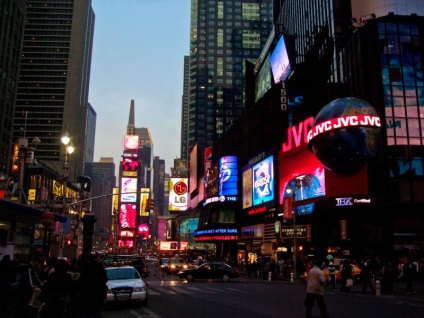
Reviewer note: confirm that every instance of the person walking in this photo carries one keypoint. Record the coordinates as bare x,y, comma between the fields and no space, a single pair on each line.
58,292
315,291
92,288
366,278
332,273
346,273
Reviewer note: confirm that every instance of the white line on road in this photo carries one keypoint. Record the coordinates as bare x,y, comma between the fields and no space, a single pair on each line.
148,313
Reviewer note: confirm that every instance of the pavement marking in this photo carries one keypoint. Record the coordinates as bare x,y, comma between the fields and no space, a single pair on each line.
147,313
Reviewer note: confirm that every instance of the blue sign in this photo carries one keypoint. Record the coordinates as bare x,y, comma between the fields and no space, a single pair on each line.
228,176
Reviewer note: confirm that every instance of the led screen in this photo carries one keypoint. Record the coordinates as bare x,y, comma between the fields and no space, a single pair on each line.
131,142
247,188
193,169
306,167
228,176
263,181
263,79
127,215
280,63
128,190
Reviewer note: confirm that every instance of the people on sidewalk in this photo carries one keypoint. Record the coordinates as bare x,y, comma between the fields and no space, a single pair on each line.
315,290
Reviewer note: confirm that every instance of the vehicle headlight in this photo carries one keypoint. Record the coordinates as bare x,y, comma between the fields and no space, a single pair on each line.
172,266
185,266
139,288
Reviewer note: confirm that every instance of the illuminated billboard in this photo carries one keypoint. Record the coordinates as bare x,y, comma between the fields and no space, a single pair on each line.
247,188
129,167
263,181
280,63
131,142
228,176
193,169
263,79
178,194
127,215
128,190
306,168
144,196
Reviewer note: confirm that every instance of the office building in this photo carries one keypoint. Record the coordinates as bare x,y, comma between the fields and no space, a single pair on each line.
223,36
52,90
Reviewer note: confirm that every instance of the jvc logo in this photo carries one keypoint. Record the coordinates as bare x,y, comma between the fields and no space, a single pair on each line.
343,201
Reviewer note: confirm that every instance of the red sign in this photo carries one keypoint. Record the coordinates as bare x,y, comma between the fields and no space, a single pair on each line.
180,188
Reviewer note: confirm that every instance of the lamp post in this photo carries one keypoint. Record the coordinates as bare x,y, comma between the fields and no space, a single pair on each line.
291,190
69,149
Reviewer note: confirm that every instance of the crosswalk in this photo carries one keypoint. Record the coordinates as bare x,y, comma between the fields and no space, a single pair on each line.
170,288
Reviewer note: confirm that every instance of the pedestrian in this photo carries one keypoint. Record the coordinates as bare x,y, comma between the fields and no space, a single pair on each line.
58,293
346,273
315,291
388,278
367,276
332,274
7,278
92,288
30,284
409,273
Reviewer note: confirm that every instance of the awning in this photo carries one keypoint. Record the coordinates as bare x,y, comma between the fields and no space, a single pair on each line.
12,211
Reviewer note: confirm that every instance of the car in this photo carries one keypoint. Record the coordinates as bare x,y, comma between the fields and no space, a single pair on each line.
151,259
176,264
137,261
356,273
165,262
124,284
210,270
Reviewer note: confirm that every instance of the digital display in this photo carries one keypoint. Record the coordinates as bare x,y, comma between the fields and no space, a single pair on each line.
306,168
247,188
131,142
263,181
127,215
263,79
128,190
280,63
228,176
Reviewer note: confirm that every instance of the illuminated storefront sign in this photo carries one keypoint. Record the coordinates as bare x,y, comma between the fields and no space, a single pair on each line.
220,234
288,231
263,181
220,199
228,176
143,231
178,194
349,201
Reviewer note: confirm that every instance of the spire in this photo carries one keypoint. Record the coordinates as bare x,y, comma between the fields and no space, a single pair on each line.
131,124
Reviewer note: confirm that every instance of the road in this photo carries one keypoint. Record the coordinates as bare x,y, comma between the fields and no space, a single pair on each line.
243,297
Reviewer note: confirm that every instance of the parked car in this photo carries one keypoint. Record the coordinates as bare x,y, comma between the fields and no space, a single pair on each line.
212,270
124,284
137,261
356,273
176,264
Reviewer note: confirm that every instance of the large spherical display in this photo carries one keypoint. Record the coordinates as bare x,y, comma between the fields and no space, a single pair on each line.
345,135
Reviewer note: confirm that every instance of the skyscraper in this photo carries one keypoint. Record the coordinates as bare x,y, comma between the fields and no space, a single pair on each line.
52,90
12,15
223,36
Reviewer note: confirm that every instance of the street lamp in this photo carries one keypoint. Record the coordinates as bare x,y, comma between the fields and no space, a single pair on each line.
69,149
292,186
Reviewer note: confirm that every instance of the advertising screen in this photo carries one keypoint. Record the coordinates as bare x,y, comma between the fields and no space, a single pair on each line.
263,181
131,142
144,196
228,176
306,168
127,215
128,190
247,188
263,79
129,167
178,194
280,63
193,169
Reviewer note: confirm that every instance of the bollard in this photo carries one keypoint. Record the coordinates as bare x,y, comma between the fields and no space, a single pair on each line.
269,276
291,277
377,288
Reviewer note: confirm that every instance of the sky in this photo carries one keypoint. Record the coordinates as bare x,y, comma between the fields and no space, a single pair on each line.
138,54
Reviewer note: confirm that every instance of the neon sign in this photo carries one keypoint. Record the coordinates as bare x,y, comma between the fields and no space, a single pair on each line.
344,122
263,181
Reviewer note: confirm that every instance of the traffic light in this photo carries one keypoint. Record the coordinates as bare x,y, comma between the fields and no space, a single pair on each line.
148,203
152,204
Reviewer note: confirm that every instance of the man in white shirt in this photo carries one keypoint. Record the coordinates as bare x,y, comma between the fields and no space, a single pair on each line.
315,291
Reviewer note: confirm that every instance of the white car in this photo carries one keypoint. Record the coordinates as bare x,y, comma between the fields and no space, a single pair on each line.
124,284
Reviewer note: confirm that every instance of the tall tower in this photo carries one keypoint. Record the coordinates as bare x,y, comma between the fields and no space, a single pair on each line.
12,18
223,36
52,90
